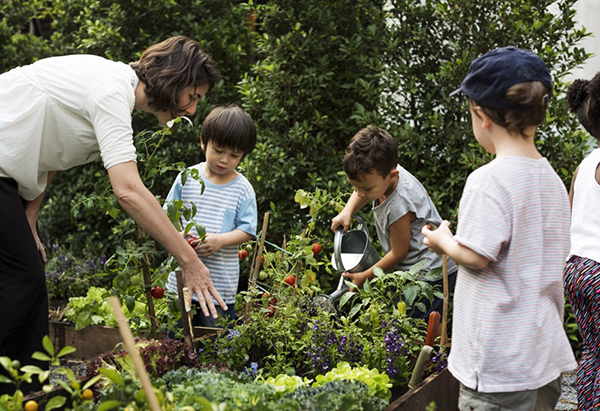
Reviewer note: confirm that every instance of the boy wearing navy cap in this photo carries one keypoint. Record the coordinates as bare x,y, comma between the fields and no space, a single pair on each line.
509,347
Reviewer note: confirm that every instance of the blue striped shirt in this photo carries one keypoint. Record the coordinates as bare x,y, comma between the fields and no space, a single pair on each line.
220,209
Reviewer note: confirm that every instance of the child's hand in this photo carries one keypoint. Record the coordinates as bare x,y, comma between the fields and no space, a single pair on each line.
341,220
211,244
357,278
434,239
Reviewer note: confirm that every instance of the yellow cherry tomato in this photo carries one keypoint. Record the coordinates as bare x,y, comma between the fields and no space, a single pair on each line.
87,394
31,406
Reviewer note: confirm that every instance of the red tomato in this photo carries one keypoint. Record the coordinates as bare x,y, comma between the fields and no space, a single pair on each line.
316,248
190,240
243,254
157,292
273,301
271,311
290,280
262,260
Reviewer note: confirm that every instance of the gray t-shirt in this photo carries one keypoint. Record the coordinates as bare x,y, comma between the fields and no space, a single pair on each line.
410,195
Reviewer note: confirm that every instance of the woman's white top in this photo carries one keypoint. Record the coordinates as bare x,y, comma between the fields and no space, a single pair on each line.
61,112
585,214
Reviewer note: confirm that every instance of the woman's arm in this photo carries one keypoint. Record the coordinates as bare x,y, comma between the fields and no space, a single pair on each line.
143,207
32,210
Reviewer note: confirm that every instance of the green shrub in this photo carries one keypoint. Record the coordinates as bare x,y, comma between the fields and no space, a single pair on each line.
121,31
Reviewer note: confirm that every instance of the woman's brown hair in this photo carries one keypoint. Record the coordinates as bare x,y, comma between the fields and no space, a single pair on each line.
170,66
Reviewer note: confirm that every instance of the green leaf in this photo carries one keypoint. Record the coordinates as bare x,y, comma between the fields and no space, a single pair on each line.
40,356
66,351
354,310
112,375
345,298
130,303
48,345
56,403
201,230
410,293
109,405
91,382
31,369
4,378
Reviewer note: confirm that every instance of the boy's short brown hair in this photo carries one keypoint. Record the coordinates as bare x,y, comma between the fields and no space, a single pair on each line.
229,127
533,95
170,66
371,149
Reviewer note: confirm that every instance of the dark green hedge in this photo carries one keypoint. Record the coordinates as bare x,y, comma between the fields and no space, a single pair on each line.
315,73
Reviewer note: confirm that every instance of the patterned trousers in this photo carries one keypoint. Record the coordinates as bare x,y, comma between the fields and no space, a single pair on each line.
582,285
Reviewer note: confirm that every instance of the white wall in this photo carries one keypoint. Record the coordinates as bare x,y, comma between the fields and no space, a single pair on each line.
588,15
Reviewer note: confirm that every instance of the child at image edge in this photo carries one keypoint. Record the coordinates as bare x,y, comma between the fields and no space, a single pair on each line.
509,347
582,273
401,207
227,208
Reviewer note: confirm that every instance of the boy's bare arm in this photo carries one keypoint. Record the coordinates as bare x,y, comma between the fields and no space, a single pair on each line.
399,242
344,218
214,242
442,241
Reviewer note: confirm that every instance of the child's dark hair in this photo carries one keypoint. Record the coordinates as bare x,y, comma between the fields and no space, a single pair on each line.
583,99
230,127
170,66
371,149
533,95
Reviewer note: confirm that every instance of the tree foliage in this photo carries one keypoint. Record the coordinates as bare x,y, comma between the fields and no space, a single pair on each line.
316,72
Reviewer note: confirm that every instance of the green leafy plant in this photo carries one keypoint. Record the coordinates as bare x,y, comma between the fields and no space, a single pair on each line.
378,383
17,374
392,289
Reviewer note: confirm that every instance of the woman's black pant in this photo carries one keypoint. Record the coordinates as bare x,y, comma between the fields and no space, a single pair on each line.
23,295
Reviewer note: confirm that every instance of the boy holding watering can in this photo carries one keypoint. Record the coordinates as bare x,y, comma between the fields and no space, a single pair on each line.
509,346
401,207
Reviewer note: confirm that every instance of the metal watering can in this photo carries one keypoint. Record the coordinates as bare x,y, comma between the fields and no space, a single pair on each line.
353,252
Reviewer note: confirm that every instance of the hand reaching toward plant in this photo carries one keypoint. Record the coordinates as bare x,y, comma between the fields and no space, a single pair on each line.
357,278
212,243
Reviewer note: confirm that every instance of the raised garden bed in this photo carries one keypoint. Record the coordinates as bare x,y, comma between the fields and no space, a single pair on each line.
89,342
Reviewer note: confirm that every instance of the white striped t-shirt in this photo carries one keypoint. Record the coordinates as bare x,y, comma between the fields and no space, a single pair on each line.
221,209
507,332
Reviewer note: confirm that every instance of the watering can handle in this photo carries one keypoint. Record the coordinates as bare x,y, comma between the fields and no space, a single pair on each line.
337,250
362,226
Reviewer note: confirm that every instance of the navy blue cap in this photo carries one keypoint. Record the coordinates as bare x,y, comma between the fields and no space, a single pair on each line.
490,75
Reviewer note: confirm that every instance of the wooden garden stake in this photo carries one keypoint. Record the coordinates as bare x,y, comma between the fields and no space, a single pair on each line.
444,339
127,337
186,307
148,283
261,246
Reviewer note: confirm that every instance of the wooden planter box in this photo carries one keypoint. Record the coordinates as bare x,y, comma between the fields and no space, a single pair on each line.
441,388
89,342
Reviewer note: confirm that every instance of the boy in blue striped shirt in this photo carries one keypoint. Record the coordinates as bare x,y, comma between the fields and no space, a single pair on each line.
226,208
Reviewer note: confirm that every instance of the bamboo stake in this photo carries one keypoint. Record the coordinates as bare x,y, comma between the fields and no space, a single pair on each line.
261,246
185,306
127,337
444,339
148,284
